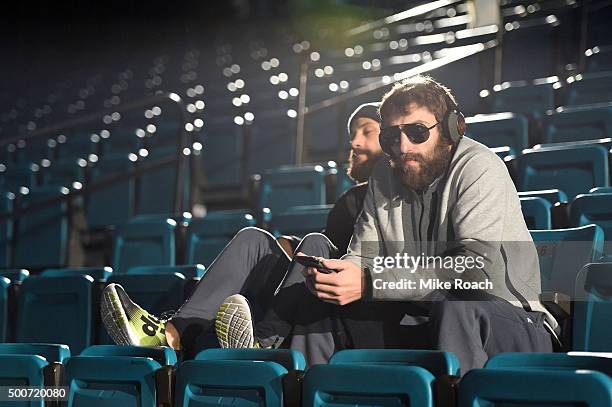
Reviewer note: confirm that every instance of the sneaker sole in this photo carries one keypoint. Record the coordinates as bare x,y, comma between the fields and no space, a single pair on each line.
114,318
234,323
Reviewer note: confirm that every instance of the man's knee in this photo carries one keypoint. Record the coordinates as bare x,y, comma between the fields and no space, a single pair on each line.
252,235
314,243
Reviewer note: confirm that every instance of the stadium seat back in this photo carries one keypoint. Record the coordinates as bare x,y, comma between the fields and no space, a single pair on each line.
536,212
229,382
111,204
45,229
501,387
56,310
206,237
52,352
436,362
4,303
563,253
572,170
592,331
589,89
65,172
551,195
593,209
97,273
288,358
292,186
301,220
7,202
577,125
111,380
23,370
150,243
24,175
530,100
549,361
332,385
189,271
499,130
161,354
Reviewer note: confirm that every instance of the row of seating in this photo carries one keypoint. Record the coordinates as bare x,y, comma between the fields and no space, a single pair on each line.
61,305
134,376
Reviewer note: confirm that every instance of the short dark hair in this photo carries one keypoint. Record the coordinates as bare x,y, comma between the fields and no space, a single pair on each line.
422,90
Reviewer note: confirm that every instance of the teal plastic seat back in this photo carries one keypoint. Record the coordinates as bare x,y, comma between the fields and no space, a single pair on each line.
7,202
549,361
551,195
56,310
592,331
97,273
578,124
4,300
563,253
189,271
590,89
147,243
594,208
285,187
52,352
573,170
288,358
505,387
15,275
206,237
371,385
23,370
111,381
536,212
45,229
161,354
436,362
531,100
499,130
201,383
301,220
65,172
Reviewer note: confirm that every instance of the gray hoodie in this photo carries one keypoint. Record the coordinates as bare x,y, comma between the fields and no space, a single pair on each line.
472,211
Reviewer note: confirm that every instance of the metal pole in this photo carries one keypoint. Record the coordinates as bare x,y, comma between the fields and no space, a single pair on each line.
299,141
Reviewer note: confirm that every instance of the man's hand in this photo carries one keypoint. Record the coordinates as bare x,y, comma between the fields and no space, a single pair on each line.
340,288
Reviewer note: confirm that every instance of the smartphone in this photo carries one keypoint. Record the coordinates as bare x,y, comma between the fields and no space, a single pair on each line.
310,261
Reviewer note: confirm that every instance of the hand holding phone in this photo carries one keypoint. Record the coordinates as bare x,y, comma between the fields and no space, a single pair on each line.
311,261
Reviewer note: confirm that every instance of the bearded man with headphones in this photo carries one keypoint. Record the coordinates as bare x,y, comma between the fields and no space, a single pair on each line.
440,251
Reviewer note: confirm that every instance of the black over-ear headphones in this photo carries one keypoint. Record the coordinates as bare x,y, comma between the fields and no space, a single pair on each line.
453,123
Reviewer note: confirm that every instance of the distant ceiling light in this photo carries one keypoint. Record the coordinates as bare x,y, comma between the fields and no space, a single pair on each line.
191,108
237,102
133,157
239,83
198,123
186,151
143,152
227,72
199,89
191,92
235,68
283,77
315,56
319,73
366,65
199,104
239,120
358,49
282,94
156,110
189,127
333,87
274,62
140,133
292,113
293,92
349,52
151,128
344,85
265,65
231,87
249,117
197,146
274,80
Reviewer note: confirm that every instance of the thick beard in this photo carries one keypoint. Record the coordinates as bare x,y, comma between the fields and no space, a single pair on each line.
360,172
430,167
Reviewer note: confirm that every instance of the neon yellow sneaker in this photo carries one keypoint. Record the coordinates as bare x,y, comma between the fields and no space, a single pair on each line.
127,323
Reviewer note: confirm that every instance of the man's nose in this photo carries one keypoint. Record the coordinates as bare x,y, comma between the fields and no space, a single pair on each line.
406,146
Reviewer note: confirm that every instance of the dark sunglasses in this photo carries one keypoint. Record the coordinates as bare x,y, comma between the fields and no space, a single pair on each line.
390,136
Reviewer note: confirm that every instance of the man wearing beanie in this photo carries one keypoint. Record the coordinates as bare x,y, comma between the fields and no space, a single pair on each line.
253,264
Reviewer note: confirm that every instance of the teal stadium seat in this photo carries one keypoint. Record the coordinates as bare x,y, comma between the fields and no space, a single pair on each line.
343,182
144,243
45,229
288,358
505,387
25,175
499,130
111,204
52,352
551,195
549,361
594,208
536,212
285,187
77,145
590,88
56,310
599,58
15,275
65,172
207,236
23,370
572,170
301,220
367,385
97,273
189,271
531,100
7,202
562,254
163,355
436,362
4,302
592,331
111,381
238,383
575,124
